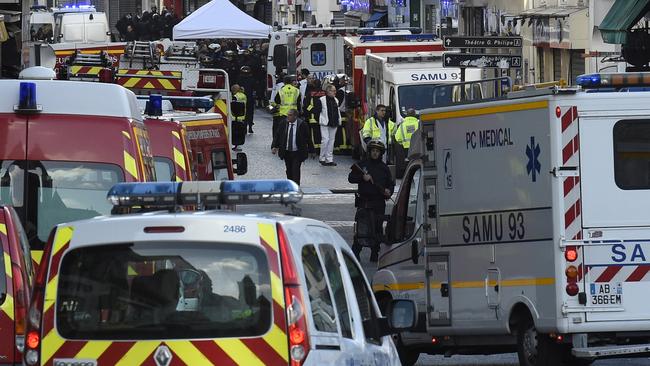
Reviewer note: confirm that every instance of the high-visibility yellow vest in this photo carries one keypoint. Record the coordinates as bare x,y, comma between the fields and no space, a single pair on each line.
288,99
405,131
241,97
372,129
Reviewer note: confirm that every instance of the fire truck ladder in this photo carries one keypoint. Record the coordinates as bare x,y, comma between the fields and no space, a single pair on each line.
85,59
146,51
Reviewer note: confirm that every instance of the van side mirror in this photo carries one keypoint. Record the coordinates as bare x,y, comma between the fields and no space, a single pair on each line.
402,315
242,164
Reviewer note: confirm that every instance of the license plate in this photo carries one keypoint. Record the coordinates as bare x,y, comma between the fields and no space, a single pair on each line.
604,294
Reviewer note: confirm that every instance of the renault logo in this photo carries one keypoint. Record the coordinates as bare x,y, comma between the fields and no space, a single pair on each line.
162,356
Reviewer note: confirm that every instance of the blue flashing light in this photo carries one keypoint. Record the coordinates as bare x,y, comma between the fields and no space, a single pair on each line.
27,97
398,37
589,80
212,193
154,106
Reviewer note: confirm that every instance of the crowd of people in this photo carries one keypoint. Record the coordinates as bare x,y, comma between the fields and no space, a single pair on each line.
149,26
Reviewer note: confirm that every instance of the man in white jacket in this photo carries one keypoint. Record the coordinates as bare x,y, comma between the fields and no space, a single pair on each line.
329,119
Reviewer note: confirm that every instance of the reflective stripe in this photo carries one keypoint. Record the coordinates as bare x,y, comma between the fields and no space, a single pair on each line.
126,134
277,339
237,350
94,349
130,165
3,229
138,353
8,306
51,343
187,352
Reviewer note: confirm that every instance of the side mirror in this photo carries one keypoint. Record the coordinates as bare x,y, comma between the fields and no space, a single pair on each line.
242,164
402,315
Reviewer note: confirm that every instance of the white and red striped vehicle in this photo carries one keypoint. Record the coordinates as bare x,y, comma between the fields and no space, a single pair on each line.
319,50
521,224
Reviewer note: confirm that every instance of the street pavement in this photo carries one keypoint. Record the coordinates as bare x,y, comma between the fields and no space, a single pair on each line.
337,210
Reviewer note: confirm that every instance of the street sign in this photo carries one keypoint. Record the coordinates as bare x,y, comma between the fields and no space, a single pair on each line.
467,60
482,42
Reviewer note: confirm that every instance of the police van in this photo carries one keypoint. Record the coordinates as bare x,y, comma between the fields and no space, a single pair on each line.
207,287
521,224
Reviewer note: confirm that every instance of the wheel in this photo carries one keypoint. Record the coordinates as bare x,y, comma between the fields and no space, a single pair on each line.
536,349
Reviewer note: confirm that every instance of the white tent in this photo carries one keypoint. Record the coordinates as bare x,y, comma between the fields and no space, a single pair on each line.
220,19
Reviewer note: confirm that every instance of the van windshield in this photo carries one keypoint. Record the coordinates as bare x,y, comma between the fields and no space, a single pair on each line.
47,193
418,97
164,290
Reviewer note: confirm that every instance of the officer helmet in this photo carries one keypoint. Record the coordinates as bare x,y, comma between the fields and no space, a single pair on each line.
376,144
245,69
216,47
229,54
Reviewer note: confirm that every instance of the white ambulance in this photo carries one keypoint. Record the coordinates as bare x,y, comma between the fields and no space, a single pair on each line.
521,224
205,288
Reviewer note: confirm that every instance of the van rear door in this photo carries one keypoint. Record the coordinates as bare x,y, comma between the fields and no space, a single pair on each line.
615,187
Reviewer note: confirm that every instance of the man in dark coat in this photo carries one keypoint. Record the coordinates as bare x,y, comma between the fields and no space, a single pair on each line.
292,144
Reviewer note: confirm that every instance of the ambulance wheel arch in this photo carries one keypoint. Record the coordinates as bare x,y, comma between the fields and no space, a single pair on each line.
521,310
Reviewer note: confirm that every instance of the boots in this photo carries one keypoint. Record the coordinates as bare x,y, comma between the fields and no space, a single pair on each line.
356,249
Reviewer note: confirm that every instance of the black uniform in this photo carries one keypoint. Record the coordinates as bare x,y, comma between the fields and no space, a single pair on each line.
371,195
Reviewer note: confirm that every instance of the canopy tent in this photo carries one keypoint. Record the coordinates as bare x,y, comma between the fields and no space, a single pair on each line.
220,19
622,16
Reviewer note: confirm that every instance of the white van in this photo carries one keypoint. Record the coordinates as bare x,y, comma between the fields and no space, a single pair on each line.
206,288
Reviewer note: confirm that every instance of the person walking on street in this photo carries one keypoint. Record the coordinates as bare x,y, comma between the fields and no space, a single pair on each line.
247,82
275,107
376,185
327,107
238,110
379,127
403,135
288,97
292,144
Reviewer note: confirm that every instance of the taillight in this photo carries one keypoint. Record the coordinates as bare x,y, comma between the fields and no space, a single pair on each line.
571,254
21,302
295,305
572,289
35,316
269,81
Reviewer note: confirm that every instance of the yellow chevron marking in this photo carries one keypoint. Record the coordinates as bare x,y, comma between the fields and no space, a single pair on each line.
130,165
156,73
131,82
178,179
131,271
148,85
51,343
238,351
93,350
50,293
8,307
63,236
277,290
138,353
176,73
142,72
267,233
221,106
126,134
204,123
179,158
166,84
3,229
176,134
37,255
187,352
277,339
8,270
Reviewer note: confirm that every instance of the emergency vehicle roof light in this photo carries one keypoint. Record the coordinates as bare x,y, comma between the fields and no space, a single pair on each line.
211,193
399,37
155,105
614,80
27,98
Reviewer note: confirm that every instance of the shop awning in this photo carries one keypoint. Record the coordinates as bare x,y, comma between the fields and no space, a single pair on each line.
622,16
551,12
358,14
376,16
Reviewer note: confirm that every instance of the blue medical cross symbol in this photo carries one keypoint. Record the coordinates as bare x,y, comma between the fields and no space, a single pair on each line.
532,152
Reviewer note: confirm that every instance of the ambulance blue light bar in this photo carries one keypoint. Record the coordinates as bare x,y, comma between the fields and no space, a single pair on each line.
27,98
204,193
398,37
614,80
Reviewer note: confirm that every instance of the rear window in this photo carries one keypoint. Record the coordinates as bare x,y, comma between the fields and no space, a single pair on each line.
165,290
632,154
164,169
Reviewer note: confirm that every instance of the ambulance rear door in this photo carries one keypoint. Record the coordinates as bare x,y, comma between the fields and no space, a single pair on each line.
614,180
319,55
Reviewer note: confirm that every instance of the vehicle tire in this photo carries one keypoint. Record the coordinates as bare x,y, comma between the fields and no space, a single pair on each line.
406,356
536,349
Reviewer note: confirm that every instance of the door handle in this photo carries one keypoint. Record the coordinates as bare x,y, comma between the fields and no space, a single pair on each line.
444,289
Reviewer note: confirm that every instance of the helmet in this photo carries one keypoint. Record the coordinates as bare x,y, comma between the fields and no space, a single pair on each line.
376,144
216,47
245,69
229,54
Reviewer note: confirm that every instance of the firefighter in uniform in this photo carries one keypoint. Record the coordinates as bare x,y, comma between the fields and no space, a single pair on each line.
288,97
311,115
238,110
343,134
379,127
406,129
376,185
